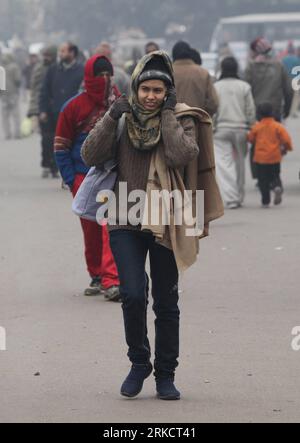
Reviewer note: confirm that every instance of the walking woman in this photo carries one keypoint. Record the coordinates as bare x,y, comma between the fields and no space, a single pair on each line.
157,147
235,116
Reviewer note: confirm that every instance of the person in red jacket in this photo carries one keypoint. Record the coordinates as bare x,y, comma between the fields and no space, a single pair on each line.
78,116
272,142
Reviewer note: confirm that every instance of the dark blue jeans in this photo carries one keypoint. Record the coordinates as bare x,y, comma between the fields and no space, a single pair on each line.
130,250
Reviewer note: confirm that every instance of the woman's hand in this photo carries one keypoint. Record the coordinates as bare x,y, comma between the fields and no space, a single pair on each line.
119,107
171,100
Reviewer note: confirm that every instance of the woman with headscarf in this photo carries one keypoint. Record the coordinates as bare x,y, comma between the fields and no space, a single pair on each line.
155,147
76,119
235,116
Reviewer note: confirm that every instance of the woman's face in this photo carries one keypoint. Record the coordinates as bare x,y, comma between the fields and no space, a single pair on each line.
151,94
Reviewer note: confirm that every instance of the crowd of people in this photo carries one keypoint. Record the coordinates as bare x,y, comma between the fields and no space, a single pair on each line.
267,83
169,126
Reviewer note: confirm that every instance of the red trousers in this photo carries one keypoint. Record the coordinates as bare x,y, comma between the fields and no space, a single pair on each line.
98,255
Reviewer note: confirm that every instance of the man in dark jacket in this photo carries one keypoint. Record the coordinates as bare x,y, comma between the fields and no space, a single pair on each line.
62,82
269,79
194,85
38,75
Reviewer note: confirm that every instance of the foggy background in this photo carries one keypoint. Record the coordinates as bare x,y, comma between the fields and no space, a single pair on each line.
89,21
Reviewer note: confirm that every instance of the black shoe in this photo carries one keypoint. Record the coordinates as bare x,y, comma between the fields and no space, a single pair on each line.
166,389
133,384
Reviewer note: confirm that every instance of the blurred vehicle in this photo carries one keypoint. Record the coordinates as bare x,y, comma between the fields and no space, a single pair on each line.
210,62
236,33
133,40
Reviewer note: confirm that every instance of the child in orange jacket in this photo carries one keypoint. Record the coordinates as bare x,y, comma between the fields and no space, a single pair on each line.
272,142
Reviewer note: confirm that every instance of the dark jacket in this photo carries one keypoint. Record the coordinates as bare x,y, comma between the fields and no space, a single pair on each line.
59,86
270,83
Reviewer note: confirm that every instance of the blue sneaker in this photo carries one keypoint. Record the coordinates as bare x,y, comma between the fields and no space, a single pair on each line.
166,389
133,384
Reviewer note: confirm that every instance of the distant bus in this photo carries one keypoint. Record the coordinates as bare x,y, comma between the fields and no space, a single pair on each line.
237,32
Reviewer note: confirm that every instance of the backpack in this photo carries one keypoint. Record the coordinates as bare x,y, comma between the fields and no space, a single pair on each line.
85,204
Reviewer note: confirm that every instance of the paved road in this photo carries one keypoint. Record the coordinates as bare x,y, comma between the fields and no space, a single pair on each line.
239,305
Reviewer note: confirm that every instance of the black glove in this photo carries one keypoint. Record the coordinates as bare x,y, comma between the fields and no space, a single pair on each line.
171,100
119,107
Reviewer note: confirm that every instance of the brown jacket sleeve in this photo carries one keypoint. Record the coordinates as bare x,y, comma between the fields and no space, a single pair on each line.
99,146
179,137
211,99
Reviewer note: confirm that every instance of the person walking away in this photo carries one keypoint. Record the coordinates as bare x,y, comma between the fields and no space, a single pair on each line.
194,85
272,142
290,62
269,80
235,116
196,56
157,147
49,56
62,82
10,98
76,119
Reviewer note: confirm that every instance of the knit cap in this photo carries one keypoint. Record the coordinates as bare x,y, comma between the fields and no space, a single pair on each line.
156,69
261,46
102,65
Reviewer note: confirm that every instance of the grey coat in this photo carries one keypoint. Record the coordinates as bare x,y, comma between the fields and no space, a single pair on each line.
37,79
270,83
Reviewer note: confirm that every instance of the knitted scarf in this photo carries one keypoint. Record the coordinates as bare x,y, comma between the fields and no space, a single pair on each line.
144,127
